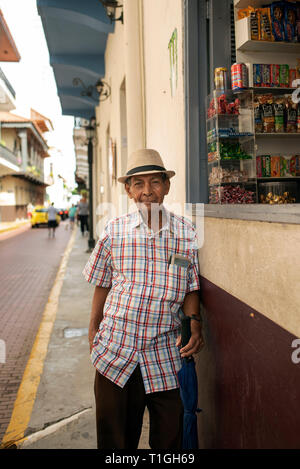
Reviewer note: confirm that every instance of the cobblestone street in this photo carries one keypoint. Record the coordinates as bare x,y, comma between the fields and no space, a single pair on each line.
28,265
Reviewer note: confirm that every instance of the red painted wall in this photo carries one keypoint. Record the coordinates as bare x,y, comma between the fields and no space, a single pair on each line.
253,400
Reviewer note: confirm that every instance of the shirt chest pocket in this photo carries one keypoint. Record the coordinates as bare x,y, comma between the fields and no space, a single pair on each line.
176,283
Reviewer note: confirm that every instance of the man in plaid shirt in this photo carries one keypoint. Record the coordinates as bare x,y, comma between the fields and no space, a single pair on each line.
145,270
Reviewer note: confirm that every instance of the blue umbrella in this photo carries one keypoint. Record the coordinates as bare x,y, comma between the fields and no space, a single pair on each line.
189,392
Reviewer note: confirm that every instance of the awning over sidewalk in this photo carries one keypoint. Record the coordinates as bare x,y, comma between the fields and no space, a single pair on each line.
8,48
76,34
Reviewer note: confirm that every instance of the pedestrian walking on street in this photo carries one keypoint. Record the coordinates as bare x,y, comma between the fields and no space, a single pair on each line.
145,269
52,223
72,214
83,212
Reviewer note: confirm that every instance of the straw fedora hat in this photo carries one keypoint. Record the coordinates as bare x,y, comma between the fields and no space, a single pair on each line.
145,162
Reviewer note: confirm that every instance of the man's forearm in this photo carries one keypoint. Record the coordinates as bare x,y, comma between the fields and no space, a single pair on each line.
98,302
191,304
191,308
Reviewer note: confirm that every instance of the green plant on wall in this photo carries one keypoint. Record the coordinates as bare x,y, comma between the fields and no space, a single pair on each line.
173,62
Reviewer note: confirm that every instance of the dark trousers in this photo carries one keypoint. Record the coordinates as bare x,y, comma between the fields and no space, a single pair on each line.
119,414
83,223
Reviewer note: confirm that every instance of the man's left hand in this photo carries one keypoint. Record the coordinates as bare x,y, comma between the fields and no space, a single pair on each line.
195,343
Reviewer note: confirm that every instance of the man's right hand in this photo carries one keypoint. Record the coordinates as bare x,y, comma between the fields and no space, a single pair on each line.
92,333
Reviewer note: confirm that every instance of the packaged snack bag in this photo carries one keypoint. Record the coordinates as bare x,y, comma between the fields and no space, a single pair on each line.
254,26
292,76
297,165
292,166
275,166
243,13
258,167
291,115
279,109
275,75
283,166
258,116
298,22
266,166
277,18
268,117
298,117
284,76
257,75
290,22
265,26
266,75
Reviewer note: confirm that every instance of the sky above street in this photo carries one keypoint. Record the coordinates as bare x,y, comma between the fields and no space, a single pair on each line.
33,81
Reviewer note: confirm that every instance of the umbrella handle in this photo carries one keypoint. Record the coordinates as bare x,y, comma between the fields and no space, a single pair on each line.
185,331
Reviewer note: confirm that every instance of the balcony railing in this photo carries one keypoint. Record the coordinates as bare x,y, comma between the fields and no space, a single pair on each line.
7,83
8,155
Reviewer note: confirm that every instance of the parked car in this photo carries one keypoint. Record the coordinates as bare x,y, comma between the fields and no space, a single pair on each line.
39,216
63,213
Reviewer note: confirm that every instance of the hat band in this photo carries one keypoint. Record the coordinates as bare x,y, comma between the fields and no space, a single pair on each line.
149,167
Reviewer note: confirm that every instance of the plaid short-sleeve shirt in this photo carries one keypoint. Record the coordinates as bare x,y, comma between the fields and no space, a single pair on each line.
141,317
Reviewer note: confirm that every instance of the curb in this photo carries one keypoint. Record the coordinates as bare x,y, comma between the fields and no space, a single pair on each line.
14,227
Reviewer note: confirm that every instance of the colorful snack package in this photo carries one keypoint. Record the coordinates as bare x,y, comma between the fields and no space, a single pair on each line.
268,117
277,17
259,166
266,166
298,117
257,75
243,13
266,75
291,115
279,109
292,166
254,26
275,75
297,165
284,76
290,22
265,24
283,166
298,22
292,77
275,166
258,116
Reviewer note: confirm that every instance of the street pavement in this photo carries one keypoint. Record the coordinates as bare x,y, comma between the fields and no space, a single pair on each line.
63,415
29,260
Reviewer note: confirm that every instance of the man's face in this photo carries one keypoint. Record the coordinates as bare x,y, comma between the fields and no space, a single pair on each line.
147,189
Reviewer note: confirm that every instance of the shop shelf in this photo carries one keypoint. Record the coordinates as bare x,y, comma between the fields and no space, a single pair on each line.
280,178
239,183
266,89
246,3
244,43
278,135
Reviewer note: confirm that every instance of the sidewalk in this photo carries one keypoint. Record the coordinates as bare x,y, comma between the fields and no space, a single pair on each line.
13,225
63,415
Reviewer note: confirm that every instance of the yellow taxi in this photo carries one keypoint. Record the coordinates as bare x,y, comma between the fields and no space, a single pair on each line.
39,216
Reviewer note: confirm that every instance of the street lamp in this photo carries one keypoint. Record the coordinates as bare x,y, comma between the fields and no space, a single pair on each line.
111,8
90,134
98,92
